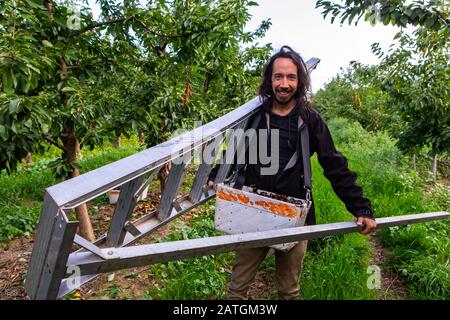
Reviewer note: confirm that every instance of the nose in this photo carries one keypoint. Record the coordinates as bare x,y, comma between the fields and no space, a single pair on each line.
284,82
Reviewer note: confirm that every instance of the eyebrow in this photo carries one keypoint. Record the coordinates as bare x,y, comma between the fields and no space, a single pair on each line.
289,74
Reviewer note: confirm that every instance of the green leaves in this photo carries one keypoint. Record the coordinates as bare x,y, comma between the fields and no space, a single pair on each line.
14,105
133,70
68,89
36,4
412,72
47,43
431,14
3,132
418,86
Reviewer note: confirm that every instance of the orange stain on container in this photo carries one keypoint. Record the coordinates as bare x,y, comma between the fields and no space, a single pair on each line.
226,196
243,199
276,208
236,197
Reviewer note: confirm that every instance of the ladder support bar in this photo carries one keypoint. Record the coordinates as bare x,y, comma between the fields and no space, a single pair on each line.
120,258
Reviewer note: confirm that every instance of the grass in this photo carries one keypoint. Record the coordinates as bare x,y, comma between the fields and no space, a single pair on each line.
335,267
22,193
199,278
420,253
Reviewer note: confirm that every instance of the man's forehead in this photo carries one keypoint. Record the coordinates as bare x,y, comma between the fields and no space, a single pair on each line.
284,65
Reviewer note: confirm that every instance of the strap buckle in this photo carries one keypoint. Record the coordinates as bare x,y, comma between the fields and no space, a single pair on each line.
308,193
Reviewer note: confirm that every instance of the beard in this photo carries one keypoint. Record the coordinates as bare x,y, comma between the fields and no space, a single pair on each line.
284,101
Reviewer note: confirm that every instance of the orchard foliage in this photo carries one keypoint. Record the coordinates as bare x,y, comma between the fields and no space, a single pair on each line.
73,80
353,95
414,73
432,14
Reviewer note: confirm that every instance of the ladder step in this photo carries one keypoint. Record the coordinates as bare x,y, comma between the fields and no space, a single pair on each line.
151,222
132,229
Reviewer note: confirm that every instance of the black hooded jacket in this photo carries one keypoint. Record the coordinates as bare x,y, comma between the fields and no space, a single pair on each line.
290,181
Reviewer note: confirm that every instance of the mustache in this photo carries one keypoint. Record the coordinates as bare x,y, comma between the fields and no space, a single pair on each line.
284,90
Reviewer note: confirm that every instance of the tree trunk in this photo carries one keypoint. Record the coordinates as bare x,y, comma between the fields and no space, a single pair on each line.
434,166
141,138
72,150
434,161
29,159
72,147
117,141
77,150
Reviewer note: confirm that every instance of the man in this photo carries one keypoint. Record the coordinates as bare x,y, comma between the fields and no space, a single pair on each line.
283,89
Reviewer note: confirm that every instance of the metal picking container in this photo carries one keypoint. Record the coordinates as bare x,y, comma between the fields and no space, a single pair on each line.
251,210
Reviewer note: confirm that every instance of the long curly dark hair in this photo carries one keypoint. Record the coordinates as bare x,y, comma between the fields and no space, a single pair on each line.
304,81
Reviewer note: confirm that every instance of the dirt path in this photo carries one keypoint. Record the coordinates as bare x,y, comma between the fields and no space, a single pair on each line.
392,287
14,259
15,256
134,283
124,284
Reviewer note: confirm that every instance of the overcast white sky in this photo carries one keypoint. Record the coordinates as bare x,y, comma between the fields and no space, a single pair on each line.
301,26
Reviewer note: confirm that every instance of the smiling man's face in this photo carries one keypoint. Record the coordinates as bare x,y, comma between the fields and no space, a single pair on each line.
284,81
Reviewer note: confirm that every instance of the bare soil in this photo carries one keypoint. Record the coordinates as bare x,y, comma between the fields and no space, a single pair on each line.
14,259
392,287
15,256
134,283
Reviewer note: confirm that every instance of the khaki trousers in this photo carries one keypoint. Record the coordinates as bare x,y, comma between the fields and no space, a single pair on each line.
288,267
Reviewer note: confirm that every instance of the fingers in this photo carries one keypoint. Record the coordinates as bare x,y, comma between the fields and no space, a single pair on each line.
368,225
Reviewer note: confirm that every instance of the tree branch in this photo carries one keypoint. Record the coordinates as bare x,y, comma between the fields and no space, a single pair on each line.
174,36
100,24
185,35
148,29
441,15
53,142
48,5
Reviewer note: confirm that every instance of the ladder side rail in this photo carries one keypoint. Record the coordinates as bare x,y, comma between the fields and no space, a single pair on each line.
41,244
54,269
78,190
122,258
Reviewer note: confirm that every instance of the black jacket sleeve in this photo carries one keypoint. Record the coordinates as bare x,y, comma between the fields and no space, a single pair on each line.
335,165
213,174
